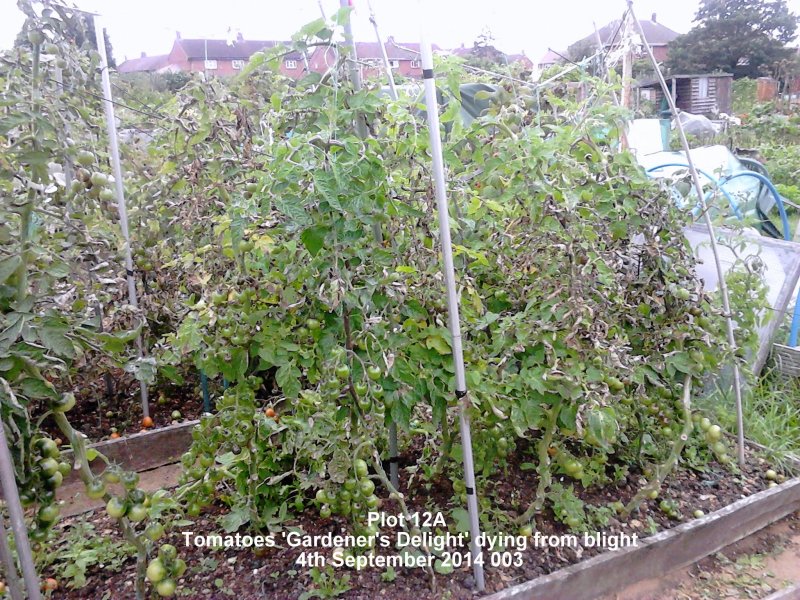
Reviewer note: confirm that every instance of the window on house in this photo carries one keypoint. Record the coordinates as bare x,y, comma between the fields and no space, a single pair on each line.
415,64
237,64
290,64
703,87
211,65
394,64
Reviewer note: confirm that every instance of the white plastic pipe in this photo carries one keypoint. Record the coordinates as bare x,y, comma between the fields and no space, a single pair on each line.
432,108
111,127
16,516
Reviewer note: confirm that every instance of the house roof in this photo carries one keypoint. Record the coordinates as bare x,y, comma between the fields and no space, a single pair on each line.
394,50
227,49
551,57
520,58
655,33
144,63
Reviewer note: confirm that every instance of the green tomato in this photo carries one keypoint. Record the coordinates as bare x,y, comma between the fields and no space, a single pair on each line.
714,433
705,424
85,158
110,476
48,514
35,37
366,487
96,489
526,531
322,497
313,324
167,553
49,466
351,485
137,513
176,415
771,475
54,481
166,588
193,510
137,496
342,372
372,501
179,569
377,392
325,511
698,513
154,531
156,571
130,479
374,372
361,468
116,508
64,468
107,195
99,179
573,522
48,447
361,389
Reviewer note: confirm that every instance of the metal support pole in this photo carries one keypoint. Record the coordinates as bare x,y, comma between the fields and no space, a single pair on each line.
111,126
723,288
432,107
12,578
17,518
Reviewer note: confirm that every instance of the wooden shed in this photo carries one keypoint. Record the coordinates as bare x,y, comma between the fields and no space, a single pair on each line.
706,94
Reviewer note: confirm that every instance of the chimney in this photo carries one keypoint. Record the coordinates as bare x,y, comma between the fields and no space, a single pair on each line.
239,37
144,55
177,35
653,18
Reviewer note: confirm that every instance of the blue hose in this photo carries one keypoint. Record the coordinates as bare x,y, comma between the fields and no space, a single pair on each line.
716,183
787,235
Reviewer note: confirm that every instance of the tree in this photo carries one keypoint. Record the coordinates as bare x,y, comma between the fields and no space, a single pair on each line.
485,56
79,29
743,37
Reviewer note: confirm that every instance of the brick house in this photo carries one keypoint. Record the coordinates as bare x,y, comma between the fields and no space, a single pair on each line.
404,58
224,58
656,35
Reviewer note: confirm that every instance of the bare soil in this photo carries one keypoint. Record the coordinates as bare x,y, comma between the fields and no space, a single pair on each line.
273,574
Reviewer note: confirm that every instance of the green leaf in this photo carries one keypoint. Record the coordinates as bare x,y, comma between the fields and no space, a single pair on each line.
8,266
288,378
33,387
314,239
438,343
233,520
53,337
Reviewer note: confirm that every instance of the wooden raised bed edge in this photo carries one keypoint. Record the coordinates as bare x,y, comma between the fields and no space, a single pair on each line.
145,450
663,552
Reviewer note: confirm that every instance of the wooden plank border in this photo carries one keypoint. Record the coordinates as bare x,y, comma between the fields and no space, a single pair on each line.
145,450
662,552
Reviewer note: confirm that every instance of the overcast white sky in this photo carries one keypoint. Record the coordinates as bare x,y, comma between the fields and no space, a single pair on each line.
137,26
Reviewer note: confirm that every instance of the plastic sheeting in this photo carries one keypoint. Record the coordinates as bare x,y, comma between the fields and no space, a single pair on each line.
780,271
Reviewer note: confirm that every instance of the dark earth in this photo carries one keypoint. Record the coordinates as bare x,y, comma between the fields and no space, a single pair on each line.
273,574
